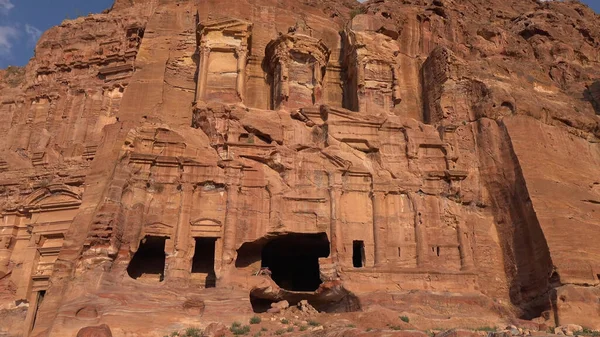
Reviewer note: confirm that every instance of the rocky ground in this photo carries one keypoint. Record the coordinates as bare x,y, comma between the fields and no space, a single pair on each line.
304,320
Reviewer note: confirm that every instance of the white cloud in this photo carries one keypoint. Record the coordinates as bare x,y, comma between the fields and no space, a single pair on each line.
5,6
7,35
33,33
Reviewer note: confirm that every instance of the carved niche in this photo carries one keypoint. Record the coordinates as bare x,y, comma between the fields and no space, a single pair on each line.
224,48
297,64
372,75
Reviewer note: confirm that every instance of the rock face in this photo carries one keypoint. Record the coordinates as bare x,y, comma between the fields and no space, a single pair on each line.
180,162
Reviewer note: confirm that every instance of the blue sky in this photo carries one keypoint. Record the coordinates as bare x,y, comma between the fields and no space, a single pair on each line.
23,21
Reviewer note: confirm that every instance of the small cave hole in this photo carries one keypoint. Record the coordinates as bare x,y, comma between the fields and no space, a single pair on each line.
260,305
148,262
509,106
203,263
358,254
333,300
293,260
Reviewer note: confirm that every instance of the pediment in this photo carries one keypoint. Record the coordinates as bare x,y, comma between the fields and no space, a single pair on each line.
206,222
158,229
206,227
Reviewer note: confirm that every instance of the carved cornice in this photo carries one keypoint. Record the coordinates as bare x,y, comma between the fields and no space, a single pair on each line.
229,26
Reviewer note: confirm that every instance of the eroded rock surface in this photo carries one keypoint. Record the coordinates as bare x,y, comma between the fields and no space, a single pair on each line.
176,163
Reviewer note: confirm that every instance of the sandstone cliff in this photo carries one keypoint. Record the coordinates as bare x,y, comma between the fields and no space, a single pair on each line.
172,163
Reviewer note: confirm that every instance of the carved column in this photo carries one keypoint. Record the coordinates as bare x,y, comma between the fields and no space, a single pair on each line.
230,231
242,58
283,94
396,92
335,195
379,227
420,236
318,79
202,72
360,90
180,265
466,255
6,241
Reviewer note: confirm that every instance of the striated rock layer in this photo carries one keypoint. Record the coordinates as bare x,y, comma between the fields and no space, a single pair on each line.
172,163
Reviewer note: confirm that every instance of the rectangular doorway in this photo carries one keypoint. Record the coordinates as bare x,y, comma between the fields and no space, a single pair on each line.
358,254
38,302
204,260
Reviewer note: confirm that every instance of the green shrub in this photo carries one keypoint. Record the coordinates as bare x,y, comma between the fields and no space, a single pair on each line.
264,329
303,328
395,327
313,323
189,332
237,329
486,329
280,332
369,329
404,319
193,332
255,320
350,326
588,332
285,321
290,329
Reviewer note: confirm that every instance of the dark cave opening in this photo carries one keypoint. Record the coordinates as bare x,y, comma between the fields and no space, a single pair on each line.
260,305
204,260
358,254
148,262
293,260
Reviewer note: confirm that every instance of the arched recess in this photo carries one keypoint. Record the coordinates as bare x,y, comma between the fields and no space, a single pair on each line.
51,197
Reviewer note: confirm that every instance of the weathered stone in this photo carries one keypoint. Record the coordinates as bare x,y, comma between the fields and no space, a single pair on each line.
306,308
458,333
95,331
569,329
215,330
281,305
170,159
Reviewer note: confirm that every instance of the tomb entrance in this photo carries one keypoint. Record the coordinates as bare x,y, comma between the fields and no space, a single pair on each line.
293,260
203,263
148,262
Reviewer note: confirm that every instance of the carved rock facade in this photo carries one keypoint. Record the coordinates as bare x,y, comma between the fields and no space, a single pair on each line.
240,154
